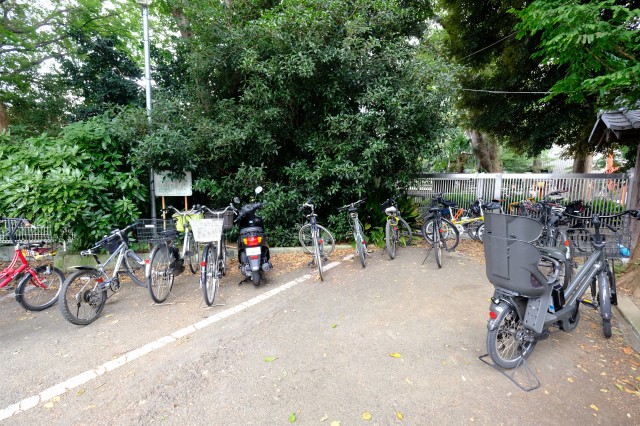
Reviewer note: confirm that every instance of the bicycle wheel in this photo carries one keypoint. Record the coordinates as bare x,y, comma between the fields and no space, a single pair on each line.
82,297
210,277
31,296
160,279
604,302
506,344
390,239
317,257
328,244
480,233
192,254
223,255
134,269
437,246
361,248
405,236
450,233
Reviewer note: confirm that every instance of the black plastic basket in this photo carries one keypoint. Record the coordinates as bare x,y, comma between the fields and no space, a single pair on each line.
156,230
113,243
227,216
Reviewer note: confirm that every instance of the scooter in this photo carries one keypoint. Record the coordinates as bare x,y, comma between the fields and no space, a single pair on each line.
253,249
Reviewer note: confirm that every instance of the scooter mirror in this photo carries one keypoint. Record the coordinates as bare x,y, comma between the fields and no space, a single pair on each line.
258,190
236,200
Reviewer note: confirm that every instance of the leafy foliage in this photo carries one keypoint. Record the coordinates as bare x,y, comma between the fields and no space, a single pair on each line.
80,181
596,42
305,97
503,85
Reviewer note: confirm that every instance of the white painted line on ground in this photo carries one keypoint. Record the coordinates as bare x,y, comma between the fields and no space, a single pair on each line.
82,378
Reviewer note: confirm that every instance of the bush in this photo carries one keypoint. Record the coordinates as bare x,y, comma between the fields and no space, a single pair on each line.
79,181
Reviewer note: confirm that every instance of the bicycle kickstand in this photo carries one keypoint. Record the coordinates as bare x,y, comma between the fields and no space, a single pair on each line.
428,253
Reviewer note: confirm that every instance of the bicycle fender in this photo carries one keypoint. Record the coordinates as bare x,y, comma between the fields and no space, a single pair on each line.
501,302
84,268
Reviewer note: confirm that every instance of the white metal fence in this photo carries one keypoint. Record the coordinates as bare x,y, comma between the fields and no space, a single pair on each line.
600,191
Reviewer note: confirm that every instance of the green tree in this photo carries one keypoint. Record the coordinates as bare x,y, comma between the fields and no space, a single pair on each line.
306,97
35,37
102,74
502,85
597,44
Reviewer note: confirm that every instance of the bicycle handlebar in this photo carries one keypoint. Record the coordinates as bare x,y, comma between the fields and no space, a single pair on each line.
114,233
354,204
633,213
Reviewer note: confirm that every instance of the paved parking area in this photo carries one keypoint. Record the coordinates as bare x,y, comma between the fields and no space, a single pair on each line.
398,341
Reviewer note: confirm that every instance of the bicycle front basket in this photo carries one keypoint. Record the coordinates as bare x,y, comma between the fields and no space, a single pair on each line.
156,230
207,230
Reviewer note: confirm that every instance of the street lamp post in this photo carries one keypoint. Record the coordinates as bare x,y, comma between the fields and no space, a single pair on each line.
147,75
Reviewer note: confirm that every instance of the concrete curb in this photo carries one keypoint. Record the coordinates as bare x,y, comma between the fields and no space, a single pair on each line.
631,313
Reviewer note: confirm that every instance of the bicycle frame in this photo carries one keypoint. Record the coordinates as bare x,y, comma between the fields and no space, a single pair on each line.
11,272
119,254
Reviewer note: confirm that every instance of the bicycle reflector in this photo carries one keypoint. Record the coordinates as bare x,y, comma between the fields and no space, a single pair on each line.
493,315
252,241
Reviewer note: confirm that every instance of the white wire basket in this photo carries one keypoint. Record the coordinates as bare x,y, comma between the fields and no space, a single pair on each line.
207,230
25,234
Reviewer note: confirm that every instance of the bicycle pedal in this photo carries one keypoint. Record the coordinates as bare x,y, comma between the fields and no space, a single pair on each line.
590,303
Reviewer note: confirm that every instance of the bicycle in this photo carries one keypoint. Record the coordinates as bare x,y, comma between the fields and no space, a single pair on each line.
397,230
438,239
84,292
316,239
38,287
526,301
190,252
358,230
210,232
448,230
163,261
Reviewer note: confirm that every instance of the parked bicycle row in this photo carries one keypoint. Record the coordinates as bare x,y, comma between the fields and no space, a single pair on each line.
203,250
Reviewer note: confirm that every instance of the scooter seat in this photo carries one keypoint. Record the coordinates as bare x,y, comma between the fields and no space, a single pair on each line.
252,230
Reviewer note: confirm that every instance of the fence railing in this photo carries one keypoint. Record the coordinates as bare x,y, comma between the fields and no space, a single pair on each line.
605,193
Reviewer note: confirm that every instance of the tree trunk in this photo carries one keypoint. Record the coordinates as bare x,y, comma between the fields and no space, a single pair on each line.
182,22
583,163
485,151
4,118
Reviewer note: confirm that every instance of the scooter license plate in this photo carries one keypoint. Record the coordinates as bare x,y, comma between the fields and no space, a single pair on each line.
252,251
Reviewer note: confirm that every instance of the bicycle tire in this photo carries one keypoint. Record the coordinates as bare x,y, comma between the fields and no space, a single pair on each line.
317,257
361,248
192,254
306,239
405,236
451,234
437,247
210,274
135,270
604,302
223,253
82,297
161,277
480,233
505,343
390,240
35,298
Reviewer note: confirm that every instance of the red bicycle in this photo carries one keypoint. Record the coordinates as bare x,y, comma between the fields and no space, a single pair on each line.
38,287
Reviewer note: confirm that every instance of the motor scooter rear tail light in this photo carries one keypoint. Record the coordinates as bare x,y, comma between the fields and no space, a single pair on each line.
252,241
